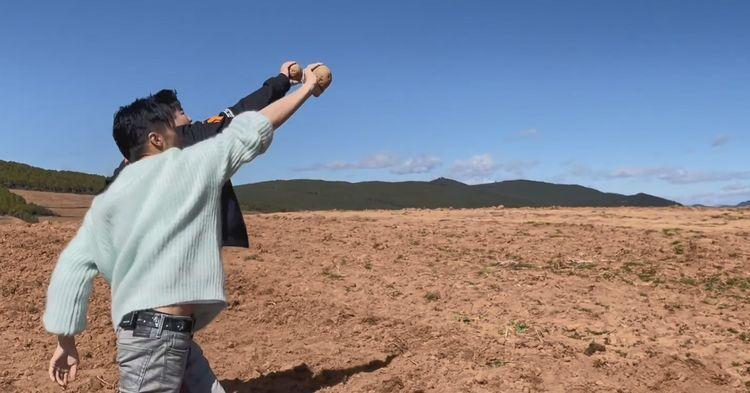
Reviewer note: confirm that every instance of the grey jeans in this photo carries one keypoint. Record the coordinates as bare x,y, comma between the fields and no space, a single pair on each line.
165,361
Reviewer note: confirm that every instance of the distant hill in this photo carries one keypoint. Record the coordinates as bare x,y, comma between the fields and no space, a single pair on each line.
17,175
743,204
14,205
548,194
295,195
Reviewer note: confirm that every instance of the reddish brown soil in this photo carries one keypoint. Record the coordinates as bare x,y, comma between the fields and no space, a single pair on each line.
489,300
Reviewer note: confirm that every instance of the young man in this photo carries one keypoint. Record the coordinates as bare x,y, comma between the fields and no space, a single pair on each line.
154,236
233,229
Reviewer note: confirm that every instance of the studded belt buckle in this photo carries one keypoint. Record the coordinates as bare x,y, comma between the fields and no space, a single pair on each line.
130,323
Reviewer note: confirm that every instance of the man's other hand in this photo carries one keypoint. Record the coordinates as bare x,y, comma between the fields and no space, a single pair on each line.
285,69
64,363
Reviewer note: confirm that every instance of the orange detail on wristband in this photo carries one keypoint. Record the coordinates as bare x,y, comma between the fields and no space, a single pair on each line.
215,119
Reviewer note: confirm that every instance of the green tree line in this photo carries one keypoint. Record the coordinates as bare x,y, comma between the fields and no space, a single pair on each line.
14,205
27,177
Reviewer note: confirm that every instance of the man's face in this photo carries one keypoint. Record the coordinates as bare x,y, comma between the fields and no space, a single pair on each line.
181,118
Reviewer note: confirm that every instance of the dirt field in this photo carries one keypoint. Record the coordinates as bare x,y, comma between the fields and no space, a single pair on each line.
489,300
66,206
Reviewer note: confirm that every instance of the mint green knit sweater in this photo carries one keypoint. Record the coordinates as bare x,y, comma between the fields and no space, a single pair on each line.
154,235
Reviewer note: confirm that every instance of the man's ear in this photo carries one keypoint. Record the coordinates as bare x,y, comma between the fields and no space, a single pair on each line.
156,139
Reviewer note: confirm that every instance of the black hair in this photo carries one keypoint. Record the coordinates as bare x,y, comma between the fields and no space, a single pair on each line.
134,122
168,97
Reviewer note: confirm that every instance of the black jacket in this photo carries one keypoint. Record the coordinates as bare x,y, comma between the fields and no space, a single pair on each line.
233,230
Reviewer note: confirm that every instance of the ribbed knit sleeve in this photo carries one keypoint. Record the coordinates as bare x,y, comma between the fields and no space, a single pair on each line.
247,136
70,286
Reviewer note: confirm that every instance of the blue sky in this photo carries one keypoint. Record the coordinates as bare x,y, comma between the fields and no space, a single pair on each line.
636,96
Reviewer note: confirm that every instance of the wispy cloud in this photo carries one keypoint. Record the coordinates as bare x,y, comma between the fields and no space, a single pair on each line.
737,187
670,175
729,195
678,175
396,164
419,164
474,168
721,139
375,161
528,133
518,167
482,168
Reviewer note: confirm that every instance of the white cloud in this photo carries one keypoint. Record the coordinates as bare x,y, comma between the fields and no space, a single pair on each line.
579,170
478,180
479,166
737,187
628,172
377,161
528,133
396,165
667,174
724,197
482,168
482,164
518,167
419,164
721,139
678,175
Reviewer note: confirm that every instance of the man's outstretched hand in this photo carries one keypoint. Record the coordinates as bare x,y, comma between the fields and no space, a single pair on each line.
309,79
64,363
282,109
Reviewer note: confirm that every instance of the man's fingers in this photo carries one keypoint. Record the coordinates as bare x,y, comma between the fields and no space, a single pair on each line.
72,373
58,377
287,66
51,371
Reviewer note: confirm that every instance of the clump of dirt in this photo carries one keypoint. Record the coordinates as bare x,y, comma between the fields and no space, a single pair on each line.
593,348
487,300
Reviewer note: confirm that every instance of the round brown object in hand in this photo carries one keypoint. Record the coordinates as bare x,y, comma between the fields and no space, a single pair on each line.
295,72
324,79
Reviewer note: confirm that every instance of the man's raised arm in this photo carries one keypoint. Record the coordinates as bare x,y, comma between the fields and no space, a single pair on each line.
273,89
249,134
281,110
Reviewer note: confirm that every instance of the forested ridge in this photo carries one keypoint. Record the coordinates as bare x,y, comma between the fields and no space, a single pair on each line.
27,177
297,195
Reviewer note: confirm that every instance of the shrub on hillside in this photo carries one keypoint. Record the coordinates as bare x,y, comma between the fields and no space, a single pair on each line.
14,205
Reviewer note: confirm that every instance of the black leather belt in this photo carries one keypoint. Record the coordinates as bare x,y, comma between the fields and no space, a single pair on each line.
153,319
